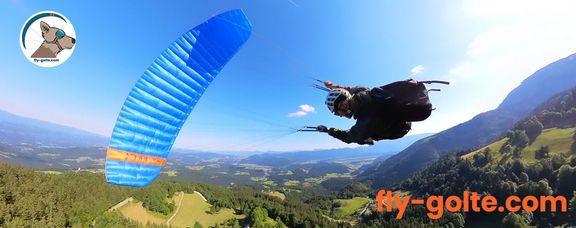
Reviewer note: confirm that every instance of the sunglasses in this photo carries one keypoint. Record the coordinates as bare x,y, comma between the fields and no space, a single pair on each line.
60,34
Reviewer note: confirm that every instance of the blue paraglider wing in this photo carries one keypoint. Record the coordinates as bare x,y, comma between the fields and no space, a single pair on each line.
164,96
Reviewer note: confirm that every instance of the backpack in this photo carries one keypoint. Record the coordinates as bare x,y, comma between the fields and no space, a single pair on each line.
409,99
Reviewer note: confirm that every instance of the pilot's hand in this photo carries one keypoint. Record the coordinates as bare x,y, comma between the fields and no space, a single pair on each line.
322,128
369,141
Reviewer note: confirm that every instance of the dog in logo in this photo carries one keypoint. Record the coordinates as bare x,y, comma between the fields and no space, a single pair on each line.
55,40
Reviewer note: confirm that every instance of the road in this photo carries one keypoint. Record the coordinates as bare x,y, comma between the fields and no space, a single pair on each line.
177,209
115,207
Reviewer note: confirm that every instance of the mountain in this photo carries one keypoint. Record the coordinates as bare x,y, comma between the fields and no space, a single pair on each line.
41,144
18,130
537,157
380,150
480,130
186,157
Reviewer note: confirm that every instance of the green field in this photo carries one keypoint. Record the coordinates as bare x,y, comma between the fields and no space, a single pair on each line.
50,172
170,173
195,167
277,194
494,147
319,180
350,207
291,183
194,208
257,179
136,212
559,141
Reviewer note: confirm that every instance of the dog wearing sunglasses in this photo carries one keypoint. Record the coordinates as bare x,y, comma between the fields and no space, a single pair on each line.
55,40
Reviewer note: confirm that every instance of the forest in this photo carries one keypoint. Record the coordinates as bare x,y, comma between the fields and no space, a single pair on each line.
507,168
32,198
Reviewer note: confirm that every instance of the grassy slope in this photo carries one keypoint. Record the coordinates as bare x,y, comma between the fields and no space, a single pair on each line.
277,194
349,207
493,147
559,141
194,209
136,212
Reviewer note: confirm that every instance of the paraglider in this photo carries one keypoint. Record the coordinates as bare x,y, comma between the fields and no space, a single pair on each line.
385,112
162,99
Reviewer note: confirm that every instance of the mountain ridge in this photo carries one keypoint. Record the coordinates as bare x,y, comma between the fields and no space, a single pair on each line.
481,129
15,129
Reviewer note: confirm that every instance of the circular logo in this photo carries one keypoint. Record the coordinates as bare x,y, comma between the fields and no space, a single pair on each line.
47,39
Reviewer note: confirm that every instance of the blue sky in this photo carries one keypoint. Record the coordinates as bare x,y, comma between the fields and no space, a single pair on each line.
484,47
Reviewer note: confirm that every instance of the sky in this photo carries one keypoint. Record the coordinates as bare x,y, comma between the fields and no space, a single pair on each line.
485,48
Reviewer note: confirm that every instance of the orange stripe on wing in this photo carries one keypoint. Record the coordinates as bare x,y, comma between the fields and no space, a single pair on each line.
120,155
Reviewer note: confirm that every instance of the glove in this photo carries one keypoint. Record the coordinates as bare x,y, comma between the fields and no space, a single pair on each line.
322,128
369,141
329,84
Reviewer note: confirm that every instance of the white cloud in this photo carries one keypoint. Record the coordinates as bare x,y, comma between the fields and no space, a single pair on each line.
417,70
298,114
304,110
510,41
461,70
519,37
307,108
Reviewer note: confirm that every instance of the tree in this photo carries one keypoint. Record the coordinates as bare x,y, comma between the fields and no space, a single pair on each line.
259,218
113,219
543,152
557,161
524,178
480,159
198,225
506,148
454,220
517,153
213,209
352,190
513,220
516,166
574,143
544,188
566,179
520,139
550,118
279,223
573,161
573,203
533,128
570,117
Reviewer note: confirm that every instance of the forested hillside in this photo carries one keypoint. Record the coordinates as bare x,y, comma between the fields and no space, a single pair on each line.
537,157
32,198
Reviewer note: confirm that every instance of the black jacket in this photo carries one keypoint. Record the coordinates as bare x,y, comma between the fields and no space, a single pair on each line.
376,118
